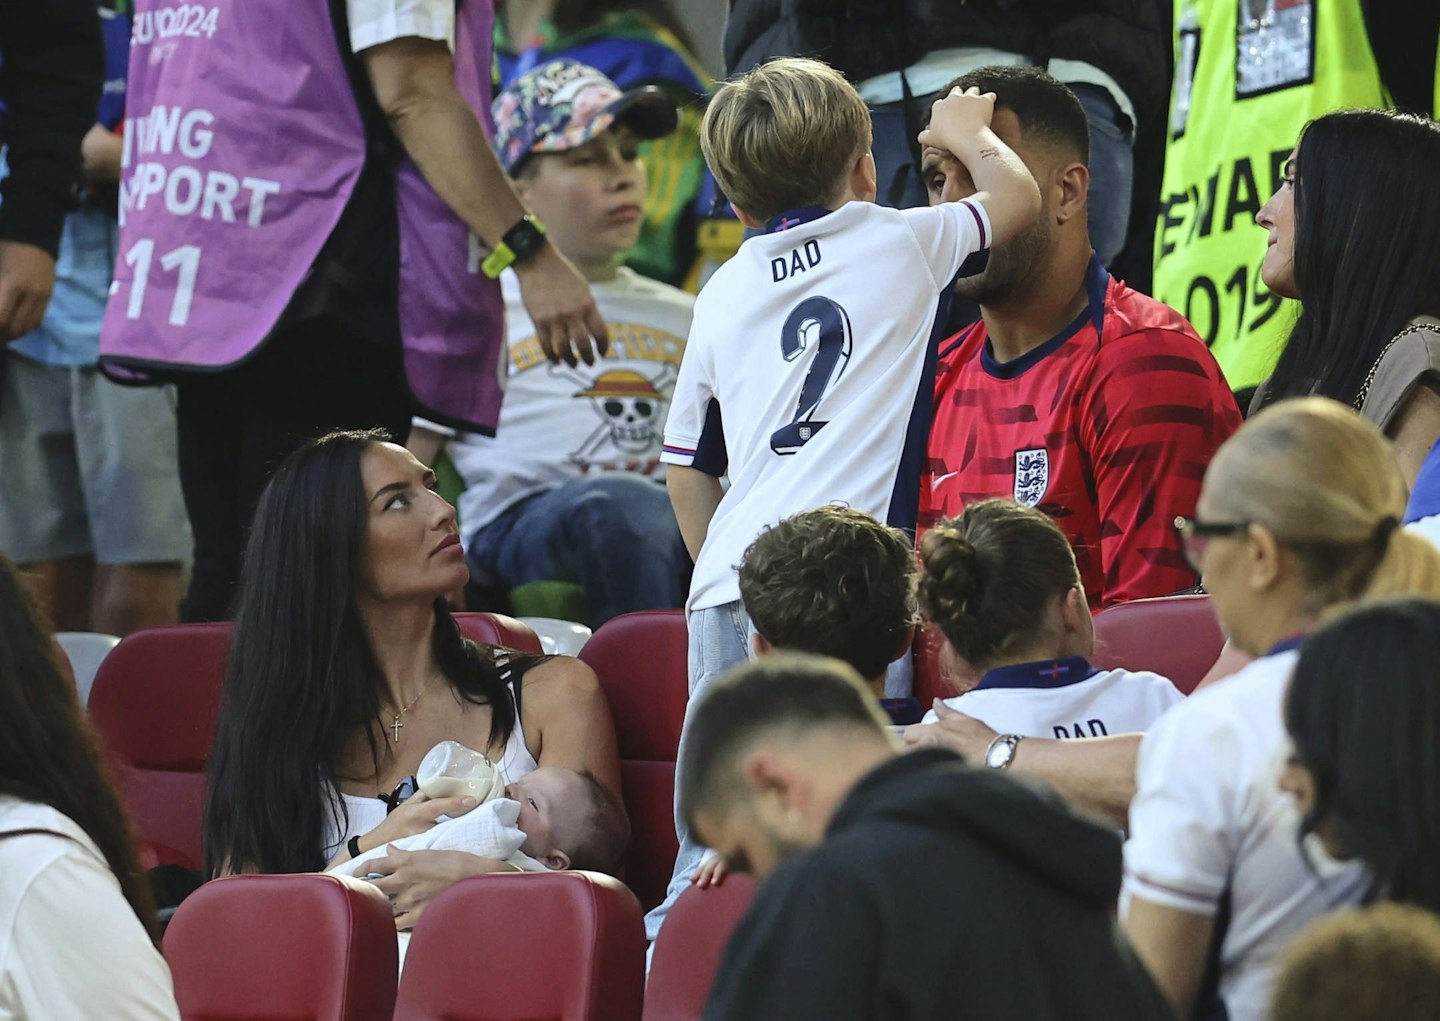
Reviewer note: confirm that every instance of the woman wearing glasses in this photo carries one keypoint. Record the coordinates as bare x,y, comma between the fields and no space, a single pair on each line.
1298,514
1354,233
346,668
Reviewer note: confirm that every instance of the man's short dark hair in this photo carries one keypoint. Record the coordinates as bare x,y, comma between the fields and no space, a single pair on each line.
1045,107
794,692
832,581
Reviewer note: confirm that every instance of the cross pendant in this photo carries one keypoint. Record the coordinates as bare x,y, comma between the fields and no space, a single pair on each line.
396,728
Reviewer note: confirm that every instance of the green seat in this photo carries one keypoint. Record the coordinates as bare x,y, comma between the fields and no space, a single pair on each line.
448,482
563,600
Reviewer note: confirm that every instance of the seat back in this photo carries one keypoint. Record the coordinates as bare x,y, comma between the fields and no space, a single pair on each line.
640,660
85,650
1175,636
498,629
688,950
559,946
560,637
263,947
154,702
938,674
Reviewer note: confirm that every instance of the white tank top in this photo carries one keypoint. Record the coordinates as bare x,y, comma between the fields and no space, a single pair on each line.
364,812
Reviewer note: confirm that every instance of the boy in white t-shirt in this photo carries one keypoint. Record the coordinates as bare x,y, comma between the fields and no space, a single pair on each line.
813,340
570,488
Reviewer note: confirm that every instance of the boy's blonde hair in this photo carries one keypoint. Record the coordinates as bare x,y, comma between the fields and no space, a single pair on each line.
784,135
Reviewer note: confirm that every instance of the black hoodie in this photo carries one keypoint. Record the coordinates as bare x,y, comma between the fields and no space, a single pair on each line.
940,891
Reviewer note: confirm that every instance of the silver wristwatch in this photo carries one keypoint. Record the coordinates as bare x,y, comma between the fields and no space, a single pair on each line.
1001,751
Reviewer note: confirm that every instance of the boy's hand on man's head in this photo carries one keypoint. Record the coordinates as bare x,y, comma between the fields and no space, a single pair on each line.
558,300
957,119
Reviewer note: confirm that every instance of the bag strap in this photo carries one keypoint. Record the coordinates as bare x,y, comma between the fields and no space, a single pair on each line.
1370,376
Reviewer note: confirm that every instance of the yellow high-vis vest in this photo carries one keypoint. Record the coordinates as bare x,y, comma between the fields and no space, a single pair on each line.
1249,74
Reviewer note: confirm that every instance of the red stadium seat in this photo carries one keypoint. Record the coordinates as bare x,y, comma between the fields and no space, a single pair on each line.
562,946
688,951
155,700
935,675
154,703
1175,636
273,947
498,629
640,659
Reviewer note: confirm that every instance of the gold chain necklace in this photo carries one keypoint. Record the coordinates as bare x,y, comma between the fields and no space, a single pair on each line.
396,724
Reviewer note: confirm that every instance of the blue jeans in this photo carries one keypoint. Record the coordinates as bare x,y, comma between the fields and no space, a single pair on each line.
719,640
613,534
1112,169
1112,163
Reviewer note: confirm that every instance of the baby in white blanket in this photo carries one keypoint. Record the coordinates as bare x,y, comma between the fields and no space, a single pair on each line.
548,819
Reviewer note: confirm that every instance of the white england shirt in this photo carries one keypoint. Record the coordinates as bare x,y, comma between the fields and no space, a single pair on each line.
1209,822
1066,698
559,423
812,341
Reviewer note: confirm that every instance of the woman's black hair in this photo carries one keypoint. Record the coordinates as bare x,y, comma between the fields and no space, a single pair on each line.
302,682
1363,713
49,754
1367,251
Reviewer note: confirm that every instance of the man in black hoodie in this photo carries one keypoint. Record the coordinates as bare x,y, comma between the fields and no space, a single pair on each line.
895,887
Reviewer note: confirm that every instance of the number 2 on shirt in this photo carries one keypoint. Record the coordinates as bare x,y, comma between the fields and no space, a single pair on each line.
820,324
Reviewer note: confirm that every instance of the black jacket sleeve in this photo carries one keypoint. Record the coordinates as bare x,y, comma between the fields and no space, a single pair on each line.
1403,38
54,66
806,951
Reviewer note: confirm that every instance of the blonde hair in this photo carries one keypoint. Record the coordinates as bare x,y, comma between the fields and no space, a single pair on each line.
1362,964
784,135
1325,483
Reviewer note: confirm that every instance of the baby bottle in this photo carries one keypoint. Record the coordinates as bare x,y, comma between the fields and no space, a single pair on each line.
450,770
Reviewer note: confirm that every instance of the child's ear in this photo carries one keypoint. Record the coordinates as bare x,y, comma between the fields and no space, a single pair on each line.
746,218
863,178
1074,610
760,645
556,859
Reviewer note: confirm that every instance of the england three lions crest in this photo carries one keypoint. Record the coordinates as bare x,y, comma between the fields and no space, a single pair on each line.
1032,475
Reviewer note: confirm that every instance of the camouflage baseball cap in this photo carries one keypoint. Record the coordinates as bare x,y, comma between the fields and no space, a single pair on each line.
564,104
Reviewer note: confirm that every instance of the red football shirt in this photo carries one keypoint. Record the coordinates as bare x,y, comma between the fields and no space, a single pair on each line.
1107,427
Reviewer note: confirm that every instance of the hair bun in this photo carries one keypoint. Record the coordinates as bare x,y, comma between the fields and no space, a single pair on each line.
953,582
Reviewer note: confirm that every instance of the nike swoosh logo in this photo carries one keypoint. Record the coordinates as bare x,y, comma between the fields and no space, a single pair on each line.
939,480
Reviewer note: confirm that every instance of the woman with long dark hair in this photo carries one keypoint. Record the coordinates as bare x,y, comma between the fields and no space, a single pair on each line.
77,922
347,667
1363,714
1353,236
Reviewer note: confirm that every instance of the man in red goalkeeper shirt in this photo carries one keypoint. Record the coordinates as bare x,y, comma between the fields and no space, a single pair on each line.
1074,394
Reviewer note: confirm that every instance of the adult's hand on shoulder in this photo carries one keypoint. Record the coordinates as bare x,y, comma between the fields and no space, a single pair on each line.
27,276
412,879
567,323
953,730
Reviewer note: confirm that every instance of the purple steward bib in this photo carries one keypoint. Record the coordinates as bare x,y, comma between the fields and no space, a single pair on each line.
243,144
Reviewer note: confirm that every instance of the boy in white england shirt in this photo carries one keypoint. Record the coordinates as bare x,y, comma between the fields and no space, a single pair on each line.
812,342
